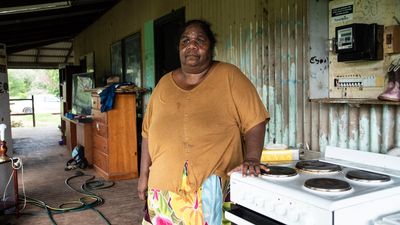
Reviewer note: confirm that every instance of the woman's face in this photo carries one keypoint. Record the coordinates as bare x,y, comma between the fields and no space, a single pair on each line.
194,48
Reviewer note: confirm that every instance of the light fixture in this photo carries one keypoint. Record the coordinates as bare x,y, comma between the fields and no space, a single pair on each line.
34,8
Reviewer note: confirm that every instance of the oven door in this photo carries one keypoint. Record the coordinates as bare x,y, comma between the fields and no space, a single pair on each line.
242,216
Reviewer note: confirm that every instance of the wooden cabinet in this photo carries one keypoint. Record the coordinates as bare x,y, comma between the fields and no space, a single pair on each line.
70,133
79,133
114,138
65,78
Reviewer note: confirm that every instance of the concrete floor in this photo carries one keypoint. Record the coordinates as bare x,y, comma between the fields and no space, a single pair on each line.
43,176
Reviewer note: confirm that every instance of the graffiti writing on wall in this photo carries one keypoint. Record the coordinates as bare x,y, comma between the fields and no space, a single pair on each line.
315,60
320,64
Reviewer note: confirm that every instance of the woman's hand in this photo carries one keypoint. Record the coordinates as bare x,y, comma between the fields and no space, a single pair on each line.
250,167
142,187
254,141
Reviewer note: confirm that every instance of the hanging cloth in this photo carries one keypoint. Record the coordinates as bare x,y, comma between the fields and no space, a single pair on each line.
107,97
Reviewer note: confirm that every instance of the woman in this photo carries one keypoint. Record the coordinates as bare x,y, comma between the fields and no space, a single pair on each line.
196,121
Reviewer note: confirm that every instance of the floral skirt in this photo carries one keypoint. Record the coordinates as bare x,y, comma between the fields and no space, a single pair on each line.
204,206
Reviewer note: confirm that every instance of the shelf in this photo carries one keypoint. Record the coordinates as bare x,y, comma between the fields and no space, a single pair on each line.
354,101
77,121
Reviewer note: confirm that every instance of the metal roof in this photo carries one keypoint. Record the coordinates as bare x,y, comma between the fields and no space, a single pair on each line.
48,56
39,33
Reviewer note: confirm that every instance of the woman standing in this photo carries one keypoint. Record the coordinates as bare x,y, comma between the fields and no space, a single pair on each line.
204,120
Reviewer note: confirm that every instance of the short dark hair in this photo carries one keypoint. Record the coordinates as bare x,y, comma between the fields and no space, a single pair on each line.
205,26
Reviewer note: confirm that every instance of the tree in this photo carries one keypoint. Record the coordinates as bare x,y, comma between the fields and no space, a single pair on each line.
54,77
18,86
26,82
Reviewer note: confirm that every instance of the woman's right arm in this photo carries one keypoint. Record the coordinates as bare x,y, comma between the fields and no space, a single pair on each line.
145,163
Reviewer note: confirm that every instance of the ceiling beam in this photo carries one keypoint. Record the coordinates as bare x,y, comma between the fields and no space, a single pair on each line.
42,56
27,65
53,49
34,44
43,29
64,17
35,30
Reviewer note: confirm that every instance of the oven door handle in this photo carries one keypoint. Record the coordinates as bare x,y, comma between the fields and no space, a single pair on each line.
242,216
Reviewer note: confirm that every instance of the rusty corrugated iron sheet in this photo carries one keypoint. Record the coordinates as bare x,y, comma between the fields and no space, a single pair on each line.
268,40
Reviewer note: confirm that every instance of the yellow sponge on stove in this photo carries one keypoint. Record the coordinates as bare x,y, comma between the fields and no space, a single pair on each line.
278,152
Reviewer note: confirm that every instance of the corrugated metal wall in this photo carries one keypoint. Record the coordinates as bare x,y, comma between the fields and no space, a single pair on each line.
268,40
369,127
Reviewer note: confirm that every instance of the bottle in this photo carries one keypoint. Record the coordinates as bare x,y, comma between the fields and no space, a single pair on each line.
3,151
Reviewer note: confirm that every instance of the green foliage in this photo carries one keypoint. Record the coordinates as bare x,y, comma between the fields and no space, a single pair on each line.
26,82
19,87
54,78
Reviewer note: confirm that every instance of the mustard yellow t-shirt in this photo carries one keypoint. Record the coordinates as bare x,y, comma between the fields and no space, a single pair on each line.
203,126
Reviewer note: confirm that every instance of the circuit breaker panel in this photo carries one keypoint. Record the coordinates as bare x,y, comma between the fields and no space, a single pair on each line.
359,72
356,84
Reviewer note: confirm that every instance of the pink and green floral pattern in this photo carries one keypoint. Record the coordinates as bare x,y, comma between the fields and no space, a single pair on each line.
169,208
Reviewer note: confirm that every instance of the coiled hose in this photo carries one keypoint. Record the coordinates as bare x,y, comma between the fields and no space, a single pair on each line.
89,200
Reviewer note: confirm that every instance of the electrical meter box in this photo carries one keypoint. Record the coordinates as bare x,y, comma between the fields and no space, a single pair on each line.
359,41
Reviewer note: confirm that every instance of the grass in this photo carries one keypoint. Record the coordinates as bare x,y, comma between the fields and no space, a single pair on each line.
41,119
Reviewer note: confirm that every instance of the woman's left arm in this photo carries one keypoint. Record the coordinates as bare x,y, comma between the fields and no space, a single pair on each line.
254,142
252,118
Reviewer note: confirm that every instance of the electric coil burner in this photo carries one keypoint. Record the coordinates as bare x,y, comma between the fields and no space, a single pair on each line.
327,185
367,177
345,187
279,172
316,166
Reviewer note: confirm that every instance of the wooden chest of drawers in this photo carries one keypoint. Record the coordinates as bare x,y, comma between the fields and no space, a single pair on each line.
114,138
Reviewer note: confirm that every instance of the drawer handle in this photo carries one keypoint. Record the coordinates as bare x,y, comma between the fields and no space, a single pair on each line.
97,126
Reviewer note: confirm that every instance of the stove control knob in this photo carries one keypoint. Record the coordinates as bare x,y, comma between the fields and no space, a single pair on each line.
280,209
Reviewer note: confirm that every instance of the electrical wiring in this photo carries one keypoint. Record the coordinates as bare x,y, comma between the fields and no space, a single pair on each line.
16,164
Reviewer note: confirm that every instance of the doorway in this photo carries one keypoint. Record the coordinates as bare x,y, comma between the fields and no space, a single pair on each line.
166,42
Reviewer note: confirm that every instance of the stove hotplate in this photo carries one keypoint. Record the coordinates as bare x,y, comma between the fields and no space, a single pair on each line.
367,177
327,185
357,191
337,184
279,172
316,166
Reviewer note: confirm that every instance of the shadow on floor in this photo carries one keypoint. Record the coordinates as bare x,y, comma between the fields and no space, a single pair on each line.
43,176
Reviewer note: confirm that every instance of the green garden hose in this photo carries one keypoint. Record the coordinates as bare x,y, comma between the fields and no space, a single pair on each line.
88,201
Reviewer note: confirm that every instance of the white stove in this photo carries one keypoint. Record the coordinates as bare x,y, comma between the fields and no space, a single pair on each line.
285,200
